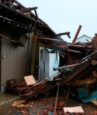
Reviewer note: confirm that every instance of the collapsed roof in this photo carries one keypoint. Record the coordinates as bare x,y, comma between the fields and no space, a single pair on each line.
15,20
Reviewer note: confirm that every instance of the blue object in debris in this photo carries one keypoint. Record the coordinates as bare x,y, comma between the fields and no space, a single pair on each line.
83,93
87,95
92,97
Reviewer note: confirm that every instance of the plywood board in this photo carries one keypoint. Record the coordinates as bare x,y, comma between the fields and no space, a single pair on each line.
77,109
29,80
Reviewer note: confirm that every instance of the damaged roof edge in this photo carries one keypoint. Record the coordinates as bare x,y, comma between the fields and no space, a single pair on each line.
44,23
17,15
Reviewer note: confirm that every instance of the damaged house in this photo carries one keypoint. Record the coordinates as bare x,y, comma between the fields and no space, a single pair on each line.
18,27
29,46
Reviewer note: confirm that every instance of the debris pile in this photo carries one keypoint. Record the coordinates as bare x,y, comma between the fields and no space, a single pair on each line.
46,107
77,71
78,61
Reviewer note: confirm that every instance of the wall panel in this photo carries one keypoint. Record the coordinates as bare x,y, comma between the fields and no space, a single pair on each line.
15,61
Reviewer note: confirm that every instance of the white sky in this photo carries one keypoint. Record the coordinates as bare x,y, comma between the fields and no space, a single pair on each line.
67,15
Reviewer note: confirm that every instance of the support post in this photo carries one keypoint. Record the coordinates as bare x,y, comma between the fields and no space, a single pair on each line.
0,63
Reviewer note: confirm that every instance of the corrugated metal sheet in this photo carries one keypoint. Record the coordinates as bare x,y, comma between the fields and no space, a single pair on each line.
15,61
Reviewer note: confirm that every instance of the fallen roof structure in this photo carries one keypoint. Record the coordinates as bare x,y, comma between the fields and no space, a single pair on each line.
15,19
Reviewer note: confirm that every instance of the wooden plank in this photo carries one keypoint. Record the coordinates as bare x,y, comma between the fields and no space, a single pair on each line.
0,63
29,80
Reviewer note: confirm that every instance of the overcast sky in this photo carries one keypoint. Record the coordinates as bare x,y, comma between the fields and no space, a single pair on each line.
67,15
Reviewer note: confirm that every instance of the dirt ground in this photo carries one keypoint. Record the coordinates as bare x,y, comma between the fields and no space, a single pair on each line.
36,106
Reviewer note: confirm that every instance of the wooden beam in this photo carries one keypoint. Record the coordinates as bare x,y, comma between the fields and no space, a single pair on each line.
77,33
34,42
0,63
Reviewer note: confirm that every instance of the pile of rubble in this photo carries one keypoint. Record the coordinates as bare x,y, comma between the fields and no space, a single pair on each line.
46,106
78,70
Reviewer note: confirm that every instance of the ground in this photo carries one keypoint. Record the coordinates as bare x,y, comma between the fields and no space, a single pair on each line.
12,105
